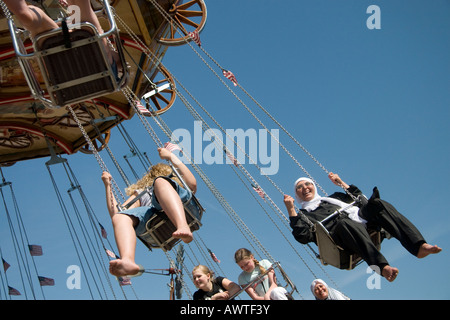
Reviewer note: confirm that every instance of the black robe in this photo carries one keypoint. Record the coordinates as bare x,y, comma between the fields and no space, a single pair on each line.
217,287
353,236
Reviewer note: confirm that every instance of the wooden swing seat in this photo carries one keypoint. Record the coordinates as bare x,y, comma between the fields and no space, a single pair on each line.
331,254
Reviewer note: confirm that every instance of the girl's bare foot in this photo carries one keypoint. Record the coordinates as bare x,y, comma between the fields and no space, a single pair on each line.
184,234
427,249
390,273
123,267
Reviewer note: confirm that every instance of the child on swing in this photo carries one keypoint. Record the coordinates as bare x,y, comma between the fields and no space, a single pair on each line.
267,288
167,194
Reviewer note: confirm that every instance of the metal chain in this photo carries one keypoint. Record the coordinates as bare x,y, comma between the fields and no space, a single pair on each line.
245,230
5,10
115,189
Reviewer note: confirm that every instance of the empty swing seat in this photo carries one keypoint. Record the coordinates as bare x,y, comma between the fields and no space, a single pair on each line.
77,73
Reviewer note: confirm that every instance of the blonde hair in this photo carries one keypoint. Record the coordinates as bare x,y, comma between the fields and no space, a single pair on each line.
204,270
243,253
159,169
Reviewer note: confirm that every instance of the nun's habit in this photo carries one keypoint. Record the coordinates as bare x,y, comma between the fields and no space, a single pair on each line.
333,294
350,232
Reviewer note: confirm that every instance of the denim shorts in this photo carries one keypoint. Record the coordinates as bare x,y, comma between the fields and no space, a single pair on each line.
145,213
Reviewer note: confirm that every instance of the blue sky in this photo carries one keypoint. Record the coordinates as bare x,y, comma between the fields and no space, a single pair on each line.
371,105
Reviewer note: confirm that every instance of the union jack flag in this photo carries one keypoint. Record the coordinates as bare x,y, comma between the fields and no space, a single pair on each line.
230,76
259,191
35,250
195,36
142,110
43,281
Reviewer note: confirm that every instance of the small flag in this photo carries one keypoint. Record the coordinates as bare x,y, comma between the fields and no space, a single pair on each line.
13,292
259,191
35,250
5,265
230,76
195,36
142,110
43,281
230,156
213,256
111,254
104,234
171,146
124,281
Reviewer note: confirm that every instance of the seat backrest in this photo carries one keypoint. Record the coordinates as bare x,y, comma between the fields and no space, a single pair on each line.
160,228
77,73
330,253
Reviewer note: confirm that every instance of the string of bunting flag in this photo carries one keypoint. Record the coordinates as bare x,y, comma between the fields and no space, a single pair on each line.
35,251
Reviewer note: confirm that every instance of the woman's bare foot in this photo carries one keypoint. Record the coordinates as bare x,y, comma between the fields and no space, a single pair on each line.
390,273
184,234
426,249
123,267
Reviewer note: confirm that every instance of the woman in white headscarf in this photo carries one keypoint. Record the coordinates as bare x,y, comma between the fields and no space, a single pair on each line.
349,231
321,291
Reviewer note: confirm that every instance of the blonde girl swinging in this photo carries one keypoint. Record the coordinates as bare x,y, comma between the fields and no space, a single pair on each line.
167,194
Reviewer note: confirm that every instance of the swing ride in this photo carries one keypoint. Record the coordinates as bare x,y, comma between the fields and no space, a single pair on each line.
46,114
31,102
61,81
